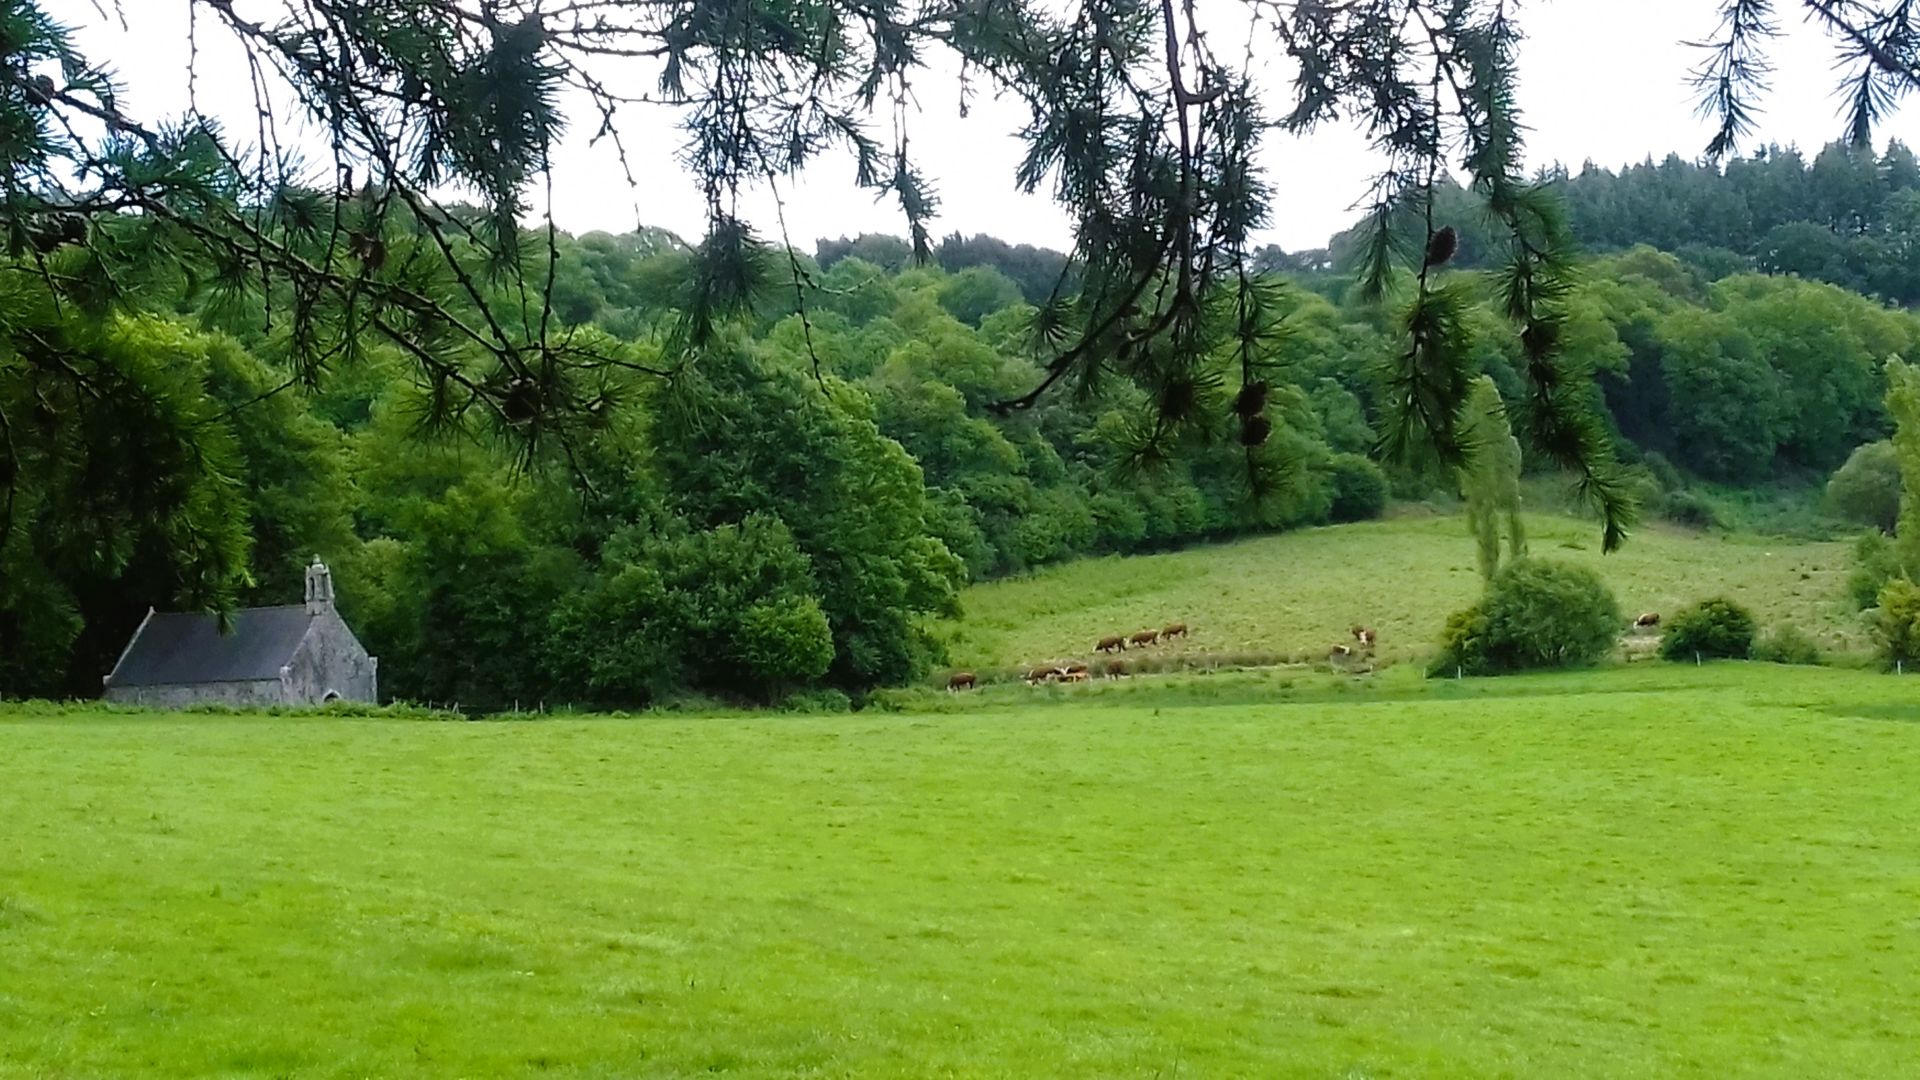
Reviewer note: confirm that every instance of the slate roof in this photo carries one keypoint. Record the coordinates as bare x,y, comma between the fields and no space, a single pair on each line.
181,647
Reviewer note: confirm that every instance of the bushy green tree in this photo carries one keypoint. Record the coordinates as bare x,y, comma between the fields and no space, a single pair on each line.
1535,614
1897,622
1358,486
1876,561
295,473
1786,644
1866,490
1716,629
744,436
977,292
475,586
1903,402
1732,422
727,610
120,485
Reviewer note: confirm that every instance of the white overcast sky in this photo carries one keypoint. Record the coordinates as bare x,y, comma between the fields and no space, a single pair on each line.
1600,79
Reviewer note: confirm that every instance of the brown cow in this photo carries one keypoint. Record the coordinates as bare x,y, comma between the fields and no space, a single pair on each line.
1073,669
1647,619
1042,675
1117,669
963,680
1074,676
1364,635
1111,644
1174,630
1339,652
1144,637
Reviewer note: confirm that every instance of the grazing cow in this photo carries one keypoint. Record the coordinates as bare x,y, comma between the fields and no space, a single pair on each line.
1042,675
1072,669
1647,620
1174,630
1339,652
1117,669
1111,644
1074,676
1144,637
1364,635
962,680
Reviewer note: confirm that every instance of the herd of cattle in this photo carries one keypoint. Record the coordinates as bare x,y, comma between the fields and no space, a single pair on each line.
1075,672
1364,638
1040,674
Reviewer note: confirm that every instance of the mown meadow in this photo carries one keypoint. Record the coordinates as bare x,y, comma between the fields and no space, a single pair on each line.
1291,596
1659,870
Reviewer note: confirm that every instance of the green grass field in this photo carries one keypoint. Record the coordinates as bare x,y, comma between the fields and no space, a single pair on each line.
1295,594
1653,871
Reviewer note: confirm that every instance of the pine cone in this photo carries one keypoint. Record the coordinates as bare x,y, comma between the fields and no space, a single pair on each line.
1177,398
1252,400
1442,246
521,402
1539,338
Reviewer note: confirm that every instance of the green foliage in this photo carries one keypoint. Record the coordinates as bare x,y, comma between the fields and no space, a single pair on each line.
473,586
1490,479
746,436
1465,641
464,545
1713,629
120,485
1843,217
296,473
975,293
1690,508
823,702
728,610
1866,490
1897,622
1146,138
1536,614
1748,377
1786,644
1876,561
1359,489
1903,402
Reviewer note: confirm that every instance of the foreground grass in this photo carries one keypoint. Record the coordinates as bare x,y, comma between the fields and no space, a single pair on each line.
1295,594
1667,871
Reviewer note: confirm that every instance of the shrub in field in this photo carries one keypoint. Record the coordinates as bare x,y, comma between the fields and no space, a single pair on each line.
1663,472
1463,643
1898,622
1786,645
1866,490
827,700
1359,489
1536,614
1876,561
1689,509
1711,630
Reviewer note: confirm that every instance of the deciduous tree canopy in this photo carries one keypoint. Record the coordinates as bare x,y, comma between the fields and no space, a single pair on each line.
1144,122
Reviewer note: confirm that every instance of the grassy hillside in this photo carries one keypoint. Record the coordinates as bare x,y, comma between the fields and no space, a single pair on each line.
1297,594
1623,873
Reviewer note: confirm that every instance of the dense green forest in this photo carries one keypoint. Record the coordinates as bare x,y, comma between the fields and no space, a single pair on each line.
1846,216
785,515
